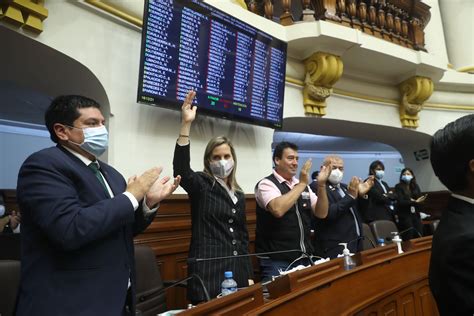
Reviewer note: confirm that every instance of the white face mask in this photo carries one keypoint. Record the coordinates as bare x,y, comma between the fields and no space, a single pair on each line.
407,178
222,168
96,140
2,210
336,176
379,174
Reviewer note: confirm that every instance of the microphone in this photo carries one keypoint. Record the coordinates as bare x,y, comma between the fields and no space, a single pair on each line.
348,243
305,254
355,239
404,231
144,297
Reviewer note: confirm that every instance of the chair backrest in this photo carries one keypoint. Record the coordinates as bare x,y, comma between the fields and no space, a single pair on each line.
10,246
9,285
150,300
431,227
369,240
383,229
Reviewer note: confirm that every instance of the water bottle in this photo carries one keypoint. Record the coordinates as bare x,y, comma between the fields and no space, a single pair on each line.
229,285
381,242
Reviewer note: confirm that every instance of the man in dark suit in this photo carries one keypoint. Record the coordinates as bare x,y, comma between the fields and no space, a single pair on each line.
451,273
314,184
343,222
79,217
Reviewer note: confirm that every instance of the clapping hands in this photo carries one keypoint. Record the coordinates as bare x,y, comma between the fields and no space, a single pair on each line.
150,184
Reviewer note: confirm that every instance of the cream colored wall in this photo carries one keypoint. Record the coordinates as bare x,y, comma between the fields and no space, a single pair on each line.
143,136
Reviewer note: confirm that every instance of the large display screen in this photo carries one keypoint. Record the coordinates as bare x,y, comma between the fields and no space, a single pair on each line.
237,71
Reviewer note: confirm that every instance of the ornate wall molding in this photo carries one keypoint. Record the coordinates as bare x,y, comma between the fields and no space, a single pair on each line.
241,3
385,101
116,11
323,70
468,69
26,14
414,93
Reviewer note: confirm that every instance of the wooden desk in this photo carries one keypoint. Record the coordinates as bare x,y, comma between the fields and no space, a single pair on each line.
235,304
384,283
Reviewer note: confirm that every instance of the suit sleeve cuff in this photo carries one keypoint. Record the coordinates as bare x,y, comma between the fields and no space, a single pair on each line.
146,210
17,229
132,199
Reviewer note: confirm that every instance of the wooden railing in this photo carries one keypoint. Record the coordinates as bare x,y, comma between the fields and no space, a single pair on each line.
399,21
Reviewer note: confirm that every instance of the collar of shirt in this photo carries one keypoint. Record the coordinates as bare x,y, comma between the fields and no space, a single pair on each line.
280,179
229,191
82,158
462,197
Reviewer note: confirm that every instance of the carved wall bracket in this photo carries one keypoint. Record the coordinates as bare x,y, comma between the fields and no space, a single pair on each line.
414,93
323,70
27,14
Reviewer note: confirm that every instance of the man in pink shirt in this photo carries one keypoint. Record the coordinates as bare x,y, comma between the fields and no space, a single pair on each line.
284,208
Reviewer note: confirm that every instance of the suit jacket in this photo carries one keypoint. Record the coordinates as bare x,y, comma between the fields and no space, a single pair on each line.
77,244
378,205
451,274
219,228
407,219
339,226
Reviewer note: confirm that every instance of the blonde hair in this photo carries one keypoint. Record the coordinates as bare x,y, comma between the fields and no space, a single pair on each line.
216,142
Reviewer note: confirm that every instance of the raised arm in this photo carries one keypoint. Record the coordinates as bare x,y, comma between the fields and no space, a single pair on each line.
188,114
181,159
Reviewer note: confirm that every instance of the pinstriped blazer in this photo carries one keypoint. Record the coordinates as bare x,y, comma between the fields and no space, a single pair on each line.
218,229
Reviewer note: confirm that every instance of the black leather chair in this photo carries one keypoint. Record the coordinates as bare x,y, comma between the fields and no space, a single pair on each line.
369,240
430,228
383,229
10,246
9,285
150,295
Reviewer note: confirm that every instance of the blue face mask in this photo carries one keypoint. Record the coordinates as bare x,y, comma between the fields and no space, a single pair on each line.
407,178
96,140
379,174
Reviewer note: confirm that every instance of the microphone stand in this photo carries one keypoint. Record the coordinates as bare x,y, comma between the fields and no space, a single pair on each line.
406,230
144,297
193,260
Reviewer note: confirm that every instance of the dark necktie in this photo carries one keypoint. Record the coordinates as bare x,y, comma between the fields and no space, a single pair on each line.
95,168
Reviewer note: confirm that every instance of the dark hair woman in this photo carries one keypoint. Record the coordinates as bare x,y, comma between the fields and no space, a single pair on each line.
380,196
409,200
